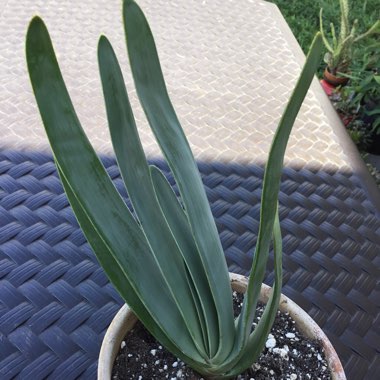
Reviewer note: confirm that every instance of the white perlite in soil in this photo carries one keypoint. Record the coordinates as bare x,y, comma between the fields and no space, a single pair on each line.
287,356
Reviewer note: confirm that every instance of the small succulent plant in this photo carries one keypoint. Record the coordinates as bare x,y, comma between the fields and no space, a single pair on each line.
166,261
340,49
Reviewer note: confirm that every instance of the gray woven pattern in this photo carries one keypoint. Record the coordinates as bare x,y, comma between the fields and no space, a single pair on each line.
55,302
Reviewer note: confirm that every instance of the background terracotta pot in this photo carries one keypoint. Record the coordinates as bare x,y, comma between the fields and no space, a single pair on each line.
334,80
125,319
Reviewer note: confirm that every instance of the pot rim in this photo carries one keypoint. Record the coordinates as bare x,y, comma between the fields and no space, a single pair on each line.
125,319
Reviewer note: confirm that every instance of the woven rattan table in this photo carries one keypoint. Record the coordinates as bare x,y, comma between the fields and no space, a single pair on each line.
230,67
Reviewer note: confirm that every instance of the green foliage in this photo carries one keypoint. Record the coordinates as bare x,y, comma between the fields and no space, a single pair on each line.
359,101
367,99
167,263
359,134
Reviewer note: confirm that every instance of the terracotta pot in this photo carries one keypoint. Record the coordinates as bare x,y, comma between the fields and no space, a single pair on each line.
125,319
334,80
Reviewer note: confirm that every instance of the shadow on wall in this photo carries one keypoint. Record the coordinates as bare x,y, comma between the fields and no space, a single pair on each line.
55,301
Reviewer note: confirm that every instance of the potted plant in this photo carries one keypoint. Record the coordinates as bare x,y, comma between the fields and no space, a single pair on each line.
340,49
166,259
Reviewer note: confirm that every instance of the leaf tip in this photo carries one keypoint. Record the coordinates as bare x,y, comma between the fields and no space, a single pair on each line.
37,36
103,44
35,26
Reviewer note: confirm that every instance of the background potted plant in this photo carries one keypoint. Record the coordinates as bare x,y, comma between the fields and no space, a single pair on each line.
358,103
340,48
166,261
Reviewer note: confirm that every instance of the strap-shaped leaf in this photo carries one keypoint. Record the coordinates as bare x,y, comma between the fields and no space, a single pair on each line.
176,218
113,269
94,190
238,361
271,186
160,113
135,172
269,227
258,337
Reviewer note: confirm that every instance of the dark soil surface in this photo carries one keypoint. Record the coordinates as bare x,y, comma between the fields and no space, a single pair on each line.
287,356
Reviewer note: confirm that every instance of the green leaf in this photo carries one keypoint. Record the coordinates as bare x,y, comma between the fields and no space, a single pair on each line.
373,112
376,125
99,200
271,187
258,337
269,226
113,268
155,101
176,218
135,172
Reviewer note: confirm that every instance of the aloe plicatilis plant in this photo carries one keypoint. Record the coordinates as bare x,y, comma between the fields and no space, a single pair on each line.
166,261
